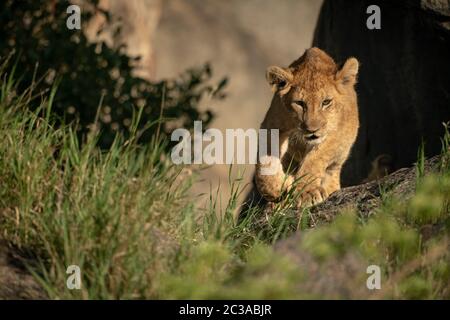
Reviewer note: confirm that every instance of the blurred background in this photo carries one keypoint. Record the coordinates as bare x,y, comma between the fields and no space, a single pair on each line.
240,39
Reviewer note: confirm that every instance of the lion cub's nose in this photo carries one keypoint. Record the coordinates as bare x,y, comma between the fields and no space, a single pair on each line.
310,130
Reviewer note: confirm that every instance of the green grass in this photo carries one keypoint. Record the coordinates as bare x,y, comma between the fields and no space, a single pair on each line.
125,218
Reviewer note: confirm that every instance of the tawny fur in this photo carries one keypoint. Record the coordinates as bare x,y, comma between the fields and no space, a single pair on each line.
315,109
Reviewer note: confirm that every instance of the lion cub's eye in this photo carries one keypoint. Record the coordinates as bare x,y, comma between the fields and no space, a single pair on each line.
300,103
326,103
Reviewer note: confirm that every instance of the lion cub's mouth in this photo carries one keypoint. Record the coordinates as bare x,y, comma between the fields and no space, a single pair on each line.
313,138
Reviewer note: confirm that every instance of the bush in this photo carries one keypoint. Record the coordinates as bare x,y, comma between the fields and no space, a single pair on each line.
90,74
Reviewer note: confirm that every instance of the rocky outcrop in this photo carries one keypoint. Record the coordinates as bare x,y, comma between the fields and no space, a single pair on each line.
344,277
367,197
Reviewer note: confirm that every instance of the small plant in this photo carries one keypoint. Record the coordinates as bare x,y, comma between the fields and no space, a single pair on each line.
420,165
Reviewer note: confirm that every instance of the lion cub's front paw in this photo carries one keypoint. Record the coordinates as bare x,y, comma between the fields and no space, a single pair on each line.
312,196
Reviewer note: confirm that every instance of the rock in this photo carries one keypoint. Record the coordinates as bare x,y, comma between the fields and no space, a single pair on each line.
439,7
344,277
15,281
366,197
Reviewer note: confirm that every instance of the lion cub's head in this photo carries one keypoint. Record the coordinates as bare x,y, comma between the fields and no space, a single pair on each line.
315,93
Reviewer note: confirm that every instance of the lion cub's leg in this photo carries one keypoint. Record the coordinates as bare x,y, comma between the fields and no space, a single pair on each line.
319,184
271,179
309,182
332,179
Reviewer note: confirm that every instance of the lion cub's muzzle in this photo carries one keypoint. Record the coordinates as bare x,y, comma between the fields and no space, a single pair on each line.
313,137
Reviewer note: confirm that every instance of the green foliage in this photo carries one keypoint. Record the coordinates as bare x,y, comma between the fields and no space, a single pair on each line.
123,216
211,272
69,204
431,201
333,240
205,268
93,74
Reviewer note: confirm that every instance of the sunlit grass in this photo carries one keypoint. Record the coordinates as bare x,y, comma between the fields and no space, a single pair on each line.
125,218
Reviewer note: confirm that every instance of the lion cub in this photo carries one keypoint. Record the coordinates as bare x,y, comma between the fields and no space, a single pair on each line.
315,109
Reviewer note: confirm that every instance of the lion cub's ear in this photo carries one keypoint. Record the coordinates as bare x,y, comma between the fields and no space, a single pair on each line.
349,71
280,79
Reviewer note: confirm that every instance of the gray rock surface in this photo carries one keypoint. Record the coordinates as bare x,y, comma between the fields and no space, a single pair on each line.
15,281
